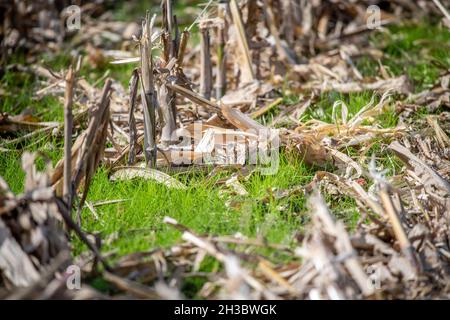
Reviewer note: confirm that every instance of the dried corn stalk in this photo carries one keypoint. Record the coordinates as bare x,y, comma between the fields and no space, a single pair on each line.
31,233
88,149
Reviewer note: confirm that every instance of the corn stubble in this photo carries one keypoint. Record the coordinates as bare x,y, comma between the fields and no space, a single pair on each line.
248,50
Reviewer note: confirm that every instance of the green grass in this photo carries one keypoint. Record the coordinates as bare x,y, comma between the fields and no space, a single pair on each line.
323,109
11,166
202,207
93,74
18,97
419,51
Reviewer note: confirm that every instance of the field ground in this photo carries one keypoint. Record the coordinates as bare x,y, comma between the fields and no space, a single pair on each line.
421,51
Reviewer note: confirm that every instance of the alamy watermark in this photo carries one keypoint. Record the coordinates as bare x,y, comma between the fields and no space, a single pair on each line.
72,15
374,278
373,20
73,277
257,147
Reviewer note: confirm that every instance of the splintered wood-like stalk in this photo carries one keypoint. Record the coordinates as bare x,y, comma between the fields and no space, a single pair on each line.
68,124
253,13
134,82
170,26
289,25
270,18
93,145
205,64
183,44
169,120
148,94
399,231
167,98
442,8
325,221
247,72
166,43
175,39
194,97
221,77
169,15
